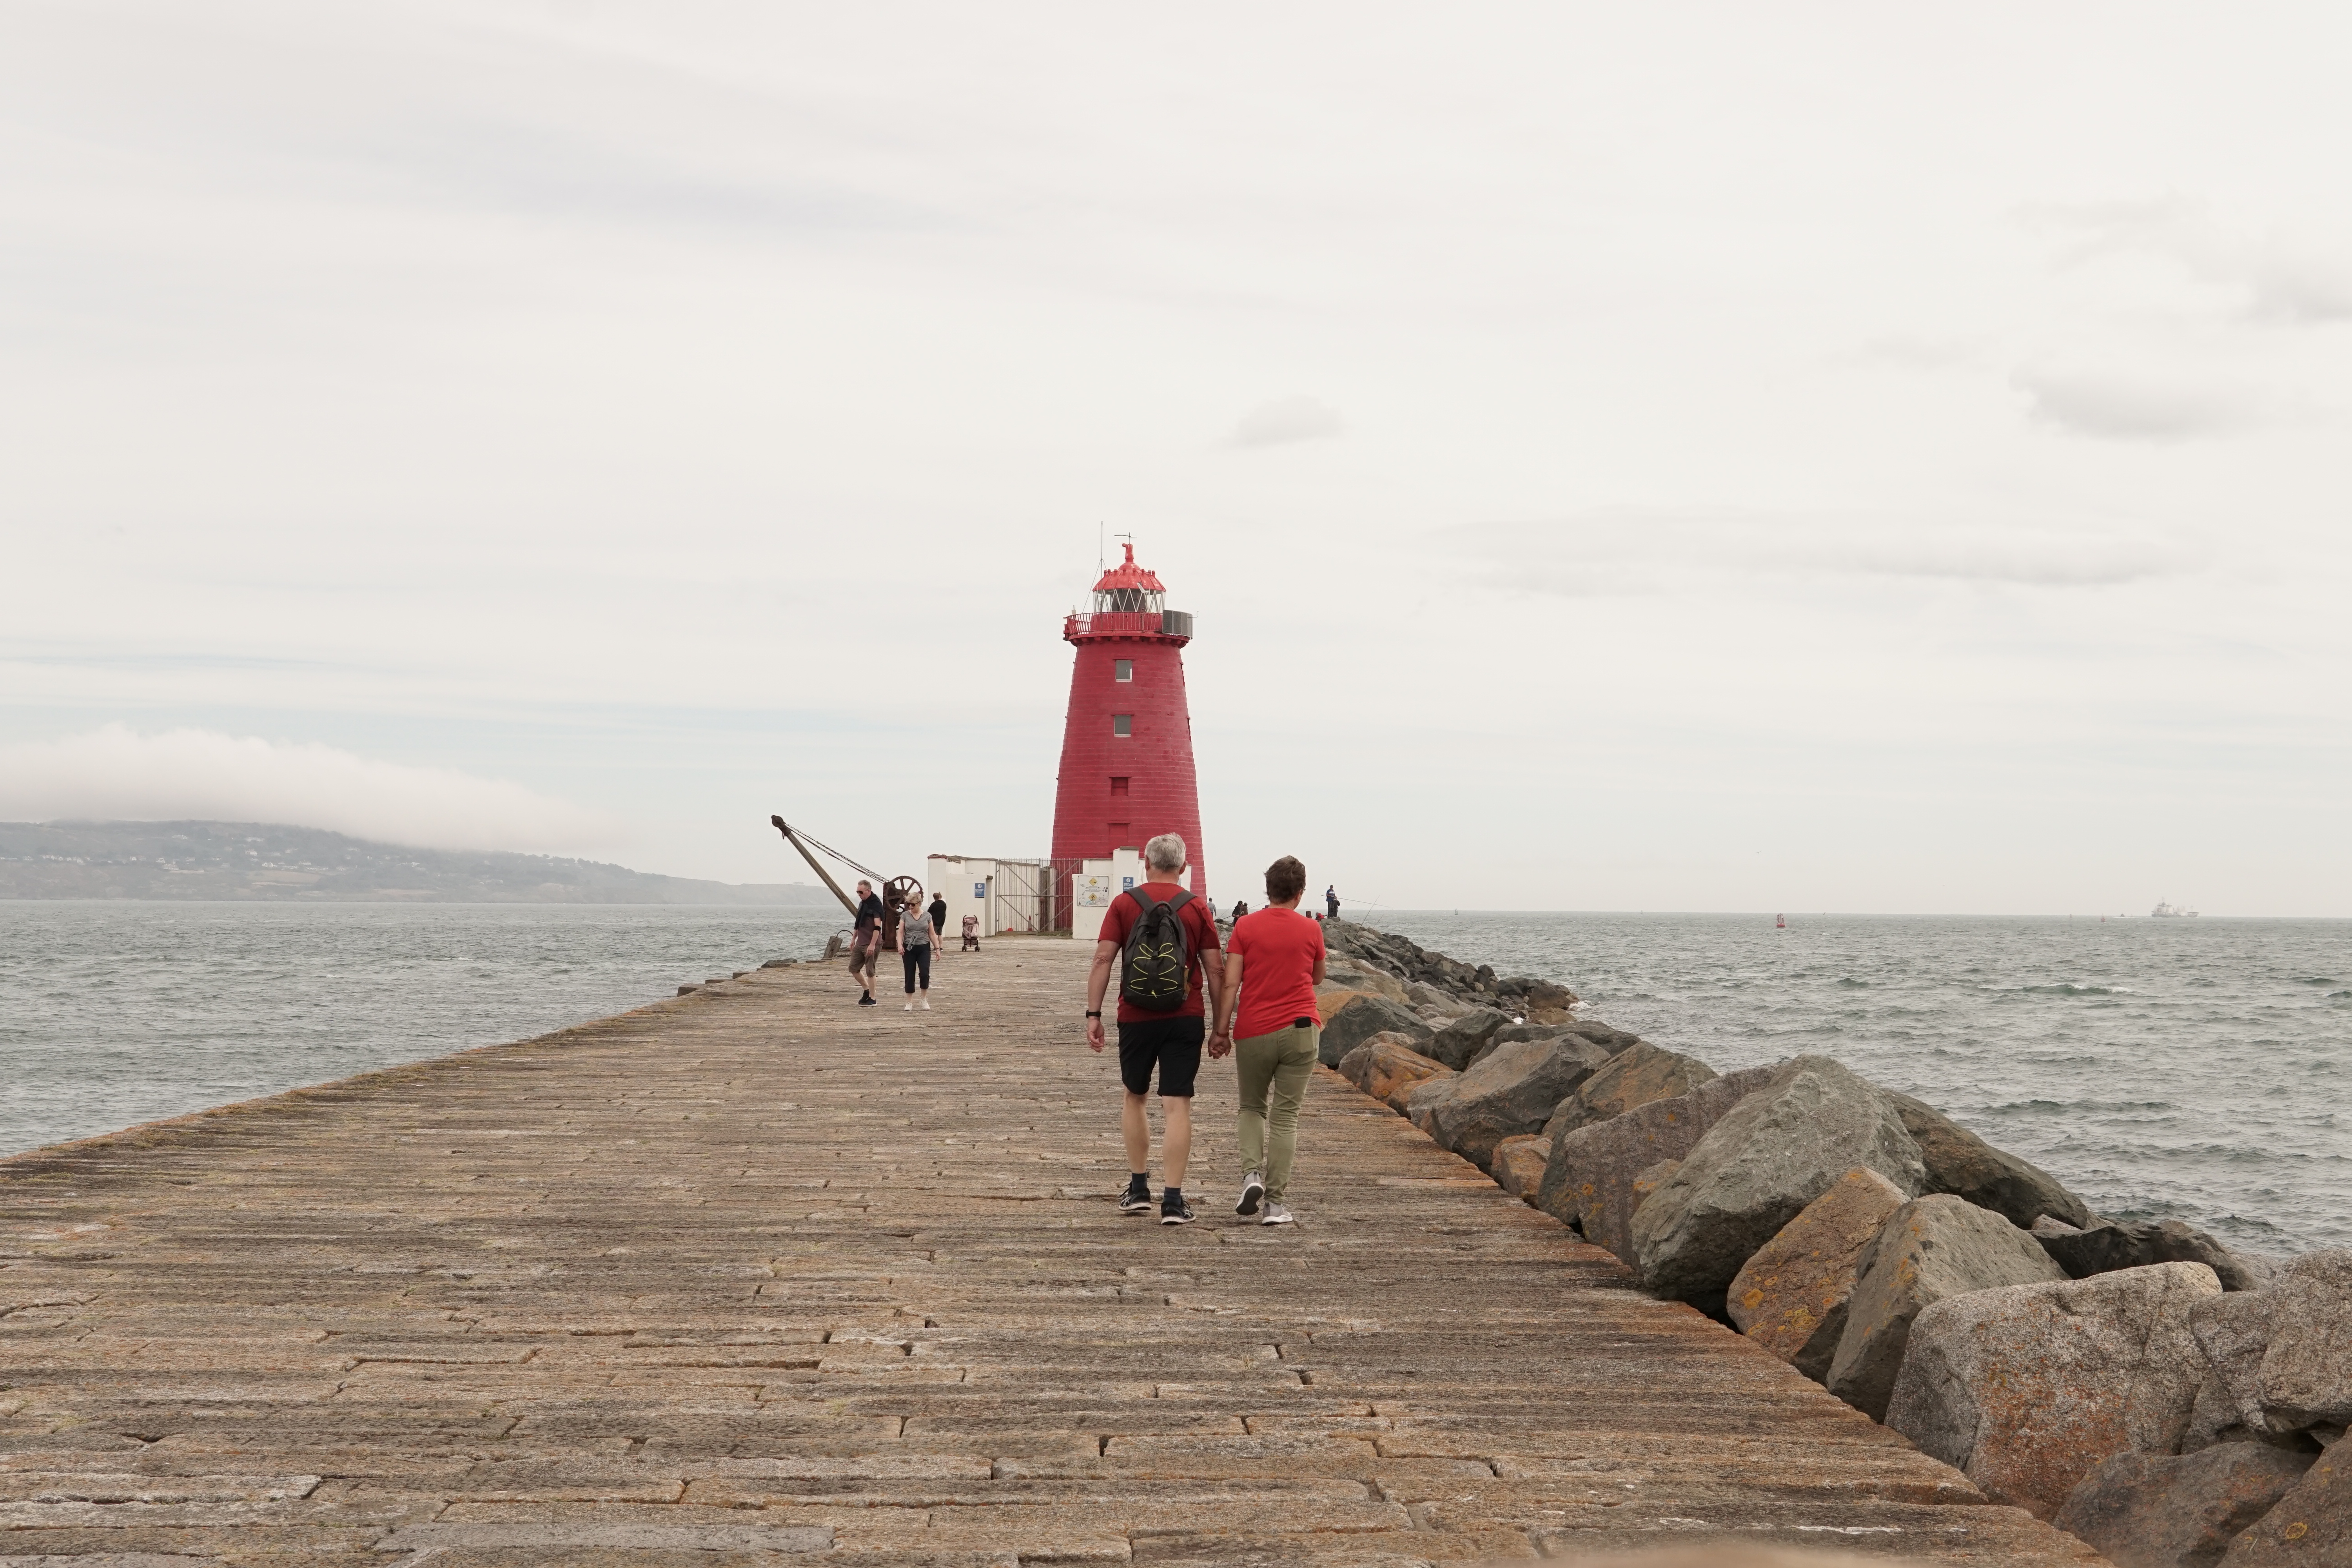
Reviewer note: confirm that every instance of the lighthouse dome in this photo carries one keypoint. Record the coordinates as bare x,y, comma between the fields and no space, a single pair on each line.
1128,586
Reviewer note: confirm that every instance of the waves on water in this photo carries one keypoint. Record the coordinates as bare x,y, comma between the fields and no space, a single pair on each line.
2201,1068
118,1013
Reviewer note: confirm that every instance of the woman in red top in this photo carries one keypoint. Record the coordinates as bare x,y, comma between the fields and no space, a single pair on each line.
1273,1034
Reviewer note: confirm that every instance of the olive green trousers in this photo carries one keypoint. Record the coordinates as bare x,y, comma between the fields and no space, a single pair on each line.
1274,1070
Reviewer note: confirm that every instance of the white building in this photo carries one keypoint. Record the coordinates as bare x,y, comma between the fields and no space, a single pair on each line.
1007,895
1017,895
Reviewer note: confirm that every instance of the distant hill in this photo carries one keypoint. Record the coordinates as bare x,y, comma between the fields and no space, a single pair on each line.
271,862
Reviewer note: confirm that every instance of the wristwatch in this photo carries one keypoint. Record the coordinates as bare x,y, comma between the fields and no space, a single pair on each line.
1094,1014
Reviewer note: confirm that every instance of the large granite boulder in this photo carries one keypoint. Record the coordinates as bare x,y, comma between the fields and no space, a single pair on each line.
1509,1091
1387,1068
1538,1001
2305,1380
1343,974
1791,1298
1930,1249
2163,1511
2280,1360
2232,1331
1961,1163
2310,1527
1775,1151
1518,1164
1602,1035
2028,1389
1421,1100
1636,1076
2112,1244
1589,1181
1462,1040
1357,1018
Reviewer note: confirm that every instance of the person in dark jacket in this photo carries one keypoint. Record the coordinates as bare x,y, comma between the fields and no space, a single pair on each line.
866,941
939,912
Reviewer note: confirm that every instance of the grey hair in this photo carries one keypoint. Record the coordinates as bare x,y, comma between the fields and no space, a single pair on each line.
1165,853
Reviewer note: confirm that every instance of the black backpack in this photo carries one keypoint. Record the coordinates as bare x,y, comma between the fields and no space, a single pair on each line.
1154,970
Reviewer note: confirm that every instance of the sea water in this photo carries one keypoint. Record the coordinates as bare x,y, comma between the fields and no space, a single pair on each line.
2189,1068
115,1012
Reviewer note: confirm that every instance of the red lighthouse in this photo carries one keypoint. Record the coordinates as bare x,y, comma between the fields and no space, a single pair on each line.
1126,743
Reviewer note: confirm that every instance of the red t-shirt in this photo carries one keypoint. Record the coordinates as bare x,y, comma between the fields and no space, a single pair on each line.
1120,919
1277,948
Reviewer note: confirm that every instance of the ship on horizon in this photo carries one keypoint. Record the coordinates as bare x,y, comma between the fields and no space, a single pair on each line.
2167,909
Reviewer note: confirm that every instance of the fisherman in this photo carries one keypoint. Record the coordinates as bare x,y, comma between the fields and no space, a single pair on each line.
1168,969
866,941
1332,902
1268,1000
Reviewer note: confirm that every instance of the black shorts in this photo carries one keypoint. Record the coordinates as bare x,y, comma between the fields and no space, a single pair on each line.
1171,1044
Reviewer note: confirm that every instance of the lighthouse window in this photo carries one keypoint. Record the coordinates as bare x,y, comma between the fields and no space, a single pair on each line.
1122,670
1122,723
1118,786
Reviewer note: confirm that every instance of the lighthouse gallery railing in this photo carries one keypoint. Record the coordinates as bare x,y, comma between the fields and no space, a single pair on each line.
1129,623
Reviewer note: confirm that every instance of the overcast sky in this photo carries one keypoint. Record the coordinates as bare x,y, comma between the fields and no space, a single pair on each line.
1663,457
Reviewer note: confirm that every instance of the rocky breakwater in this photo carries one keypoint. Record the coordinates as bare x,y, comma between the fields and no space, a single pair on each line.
2170,1401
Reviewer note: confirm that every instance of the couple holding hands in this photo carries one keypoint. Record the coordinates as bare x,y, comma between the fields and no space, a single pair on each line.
1161,945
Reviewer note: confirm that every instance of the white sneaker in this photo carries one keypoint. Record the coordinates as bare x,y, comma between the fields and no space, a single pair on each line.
1276,1214
925,1004
1253,1190
910,1006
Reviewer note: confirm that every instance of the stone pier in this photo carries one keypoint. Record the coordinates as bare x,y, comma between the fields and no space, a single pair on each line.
757,1276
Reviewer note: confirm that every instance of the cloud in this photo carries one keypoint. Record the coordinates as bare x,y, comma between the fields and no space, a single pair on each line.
113,773
2286,275
2302,289
1633,551
2123,405
1299,419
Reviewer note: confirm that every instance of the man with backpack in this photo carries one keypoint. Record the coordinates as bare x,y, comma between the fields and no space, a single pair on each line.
1162,944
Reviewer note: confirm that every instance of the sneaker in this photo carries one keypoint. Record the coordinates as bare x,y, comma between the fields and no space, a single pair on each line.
864,1000
1173,1210
1276,1214
1137,1199
1253,1190
909,1007
925,1005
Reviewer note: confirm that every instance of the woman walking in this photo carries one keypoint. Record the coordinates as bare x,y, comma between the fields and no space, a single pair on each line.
1273,965
915,941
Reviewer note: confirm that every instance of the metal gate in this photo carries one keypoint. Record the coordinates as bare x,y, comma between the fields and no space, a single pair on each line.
1022,895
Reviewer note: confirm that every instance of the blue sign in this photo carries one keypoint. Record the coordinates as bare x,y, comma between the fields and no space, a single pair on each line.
1127,884
979,890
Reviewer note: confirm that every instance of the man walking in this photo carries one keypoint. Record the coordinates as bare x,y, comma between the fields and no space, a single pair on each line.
1277,963
866,941
1167,1036
938,913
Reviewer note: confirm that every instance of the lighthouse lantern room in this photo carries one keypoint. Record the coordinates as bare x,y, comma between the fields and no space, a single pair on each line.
1127,744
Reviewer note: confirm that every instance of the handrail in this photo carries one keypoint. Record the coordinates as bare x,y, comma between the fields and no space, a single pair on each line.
1123,623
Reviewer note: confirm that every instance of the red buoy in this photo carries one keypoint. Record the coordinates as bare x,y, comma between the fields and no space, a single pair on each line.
1127,740
1780,923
